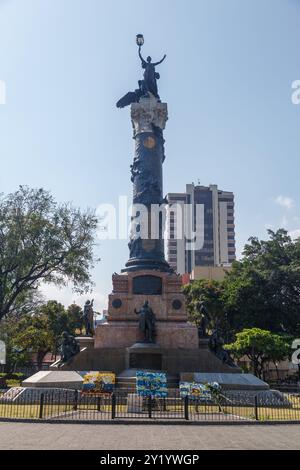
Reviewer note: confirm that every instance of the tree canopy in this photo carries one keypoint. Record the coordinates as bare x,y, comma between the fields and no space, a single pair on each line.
209,293
42,241
261,347
39,332
263,289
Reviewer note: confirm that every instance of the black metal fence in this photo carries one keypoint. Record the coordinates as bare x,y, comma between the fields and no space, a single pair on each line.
122,405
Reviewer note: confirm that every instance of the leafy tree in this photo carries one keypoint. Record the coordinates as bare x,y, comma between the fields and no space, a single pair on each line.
57,321
15,356
42,241
75,317
280,350
27,303
210,293
33,335
38,333
263,289
261,347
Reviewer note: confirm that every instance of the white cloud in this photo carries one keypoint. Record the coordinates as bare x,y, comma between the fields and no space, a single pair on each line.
285,201
295,234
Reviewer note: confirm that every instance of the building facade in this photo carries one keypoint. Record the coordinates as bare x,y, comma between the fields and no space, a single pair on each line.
200,228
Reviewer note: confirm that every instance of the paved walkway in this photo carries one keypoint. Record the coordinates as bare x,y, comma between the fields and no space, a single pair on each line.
150,437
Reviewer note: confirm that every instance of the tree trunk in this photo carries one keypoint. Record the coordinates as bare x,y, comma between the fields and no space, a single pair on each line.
277,371
40,358
255,367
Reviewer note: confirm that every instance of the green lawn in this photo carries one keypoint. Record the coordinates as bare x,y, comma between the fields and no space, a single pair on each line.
31,411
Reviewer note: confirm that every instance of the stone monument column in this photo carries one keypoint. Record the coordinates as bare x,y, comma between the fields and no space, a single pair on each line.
149,117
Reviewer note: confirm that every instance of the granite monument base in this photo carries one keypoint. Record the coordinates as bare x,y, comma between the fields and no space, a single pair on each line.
169,360
32,395
228,381
67,379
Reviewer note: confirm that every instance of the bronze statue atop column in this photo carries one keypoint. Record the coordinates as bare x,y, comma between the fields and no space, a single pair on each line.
148,85
150,75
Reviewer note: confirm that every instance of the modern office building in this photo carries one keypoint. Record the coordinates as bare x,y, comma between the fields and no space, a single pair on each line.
200,229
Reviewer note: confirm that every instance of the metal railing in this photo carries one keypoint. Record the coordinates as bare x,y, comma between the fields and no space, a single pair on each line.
75,406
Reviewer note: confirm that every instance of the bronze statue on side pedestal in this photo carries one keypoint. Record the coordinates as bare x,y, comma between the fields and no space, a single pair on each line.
69,347
88,318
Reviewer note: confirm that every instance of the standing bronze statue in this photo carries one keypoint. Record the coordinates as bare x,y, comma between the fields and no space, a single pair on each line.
216,344
88,318
147,322
69,347
148,85
150,75
204,322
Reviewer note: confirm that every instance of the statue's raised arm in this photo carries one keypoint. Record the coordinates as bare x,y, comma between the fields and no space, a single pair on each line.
141,57
157,63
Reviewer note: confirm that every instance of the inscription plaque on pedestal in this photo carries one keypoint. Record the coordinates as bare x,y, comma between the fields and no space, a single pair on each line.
147,285
145,361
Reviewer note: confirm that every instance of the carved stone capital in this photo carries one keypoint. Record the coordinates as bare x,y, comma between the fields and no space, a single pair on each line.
147,113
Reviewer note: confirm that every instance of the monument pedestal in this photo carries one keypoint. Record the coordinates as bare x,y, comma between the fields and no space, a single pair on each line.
163,292
85,342
119,345
122,334
144,356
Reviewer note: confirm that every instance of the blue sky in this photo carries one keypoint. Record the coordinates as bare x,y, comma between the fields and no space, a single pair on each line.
227,80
